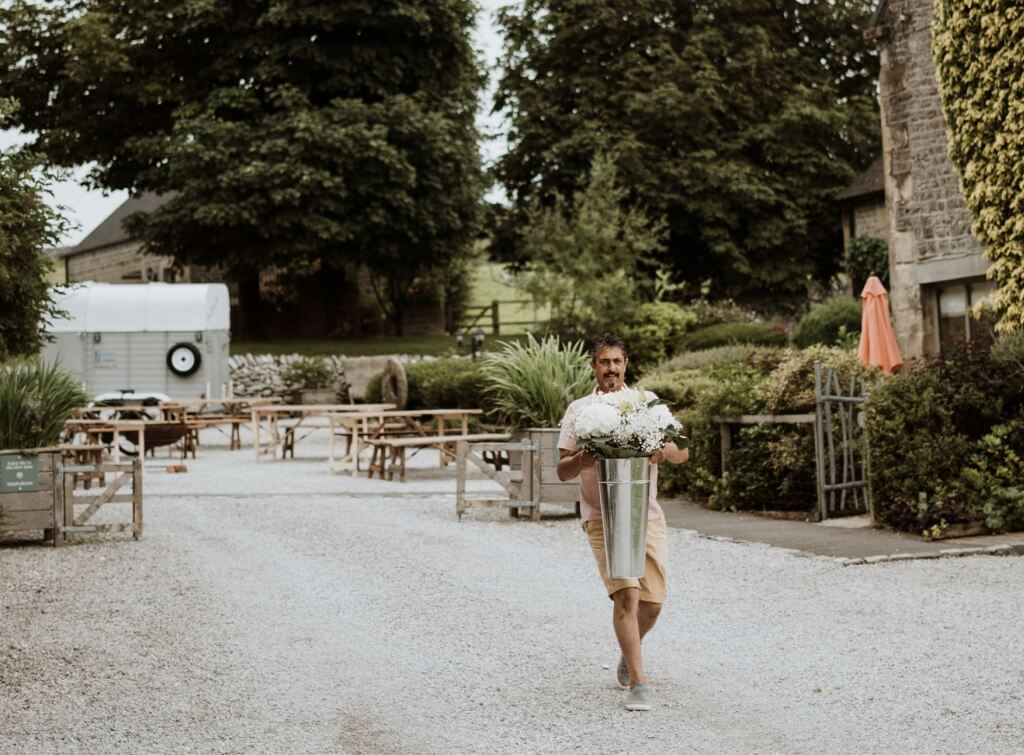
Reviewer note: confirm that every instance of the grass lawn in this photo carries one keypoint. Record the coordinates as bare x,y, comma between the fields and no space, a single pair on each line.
359,347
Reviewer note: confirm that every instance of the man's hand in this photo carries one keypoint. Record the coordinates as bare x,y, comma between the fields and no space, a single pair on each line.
670,453
570,463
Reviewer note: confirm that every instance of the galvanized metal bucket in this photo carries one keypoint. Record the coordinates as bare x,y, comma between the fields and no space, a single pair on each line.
624,487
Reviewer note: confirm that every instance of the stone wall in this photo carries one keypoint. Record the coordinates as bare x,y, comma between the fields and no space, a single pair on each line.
119,263
869,219
929,226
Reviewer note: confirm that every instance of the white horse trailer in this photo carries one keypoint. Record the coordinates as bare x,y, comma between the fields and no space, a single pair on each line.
169,338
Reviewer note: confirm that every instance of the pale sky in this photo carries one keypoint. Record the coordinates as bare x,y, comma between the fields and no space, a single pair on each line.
87,209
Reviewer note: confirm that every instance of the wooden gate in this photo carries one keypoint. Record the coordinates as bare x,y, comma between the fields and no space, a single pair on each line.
121,483
840,445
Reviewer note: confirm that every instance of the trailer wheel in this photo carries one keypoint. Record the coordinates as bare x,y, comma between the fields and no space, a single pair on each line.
183,359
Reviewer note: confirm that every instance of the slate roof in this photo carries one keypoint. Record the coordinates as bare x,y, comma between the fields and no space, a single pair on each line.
871,181
111,231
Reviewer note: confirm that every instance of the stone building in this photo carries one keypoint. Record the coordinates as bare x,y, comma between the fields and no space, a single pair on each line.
862,204
110,255
936,267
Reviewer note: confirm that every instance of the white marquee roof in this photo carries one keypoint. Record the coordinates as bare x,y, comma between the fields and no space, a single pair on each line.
136,307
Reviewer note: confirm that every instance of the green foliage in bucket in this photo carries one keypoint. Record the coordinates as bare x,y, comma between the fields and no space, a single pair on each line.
35,401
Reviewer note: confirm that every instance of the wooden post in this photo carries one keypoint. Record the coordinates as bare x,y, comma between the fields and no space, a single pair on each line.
137,498
819,444
58,500
495,320
461,450
725,436
256,430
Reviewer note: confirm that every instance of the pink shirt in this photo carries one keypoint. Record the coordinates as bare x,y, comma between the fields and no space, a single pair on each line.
590,502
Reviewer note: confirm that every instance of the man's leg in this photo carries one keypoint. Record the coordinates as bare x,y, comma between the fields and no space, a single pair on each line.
647,615
626,621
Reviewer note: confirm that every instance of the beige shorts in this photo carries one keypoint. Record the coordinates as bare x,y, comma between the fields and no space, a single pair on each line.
652,584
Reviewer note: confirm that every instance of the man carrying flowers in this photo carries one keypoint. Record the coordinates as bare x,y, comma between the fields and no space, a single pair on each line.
617,421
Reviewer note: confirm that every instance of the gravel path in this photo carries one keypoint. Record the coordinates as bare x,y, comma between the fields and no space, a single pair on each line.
275,608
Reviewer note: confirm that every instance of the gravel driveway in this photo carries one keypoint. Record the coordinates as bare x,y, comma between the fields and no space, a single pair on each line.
275,608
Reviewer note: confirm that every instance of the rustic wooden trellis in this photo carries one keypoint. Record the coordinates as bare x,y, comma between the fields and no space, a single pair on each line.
840,444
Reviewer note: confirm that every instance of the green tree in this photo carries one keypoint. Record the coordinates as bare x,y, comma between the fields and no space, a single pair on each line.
308,135
27,226
981,77
736,120
584,254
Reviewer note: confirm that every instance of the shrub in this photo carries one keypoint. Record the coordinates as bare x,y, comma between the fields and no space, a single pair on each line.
765,358
308,373
530,384
946,441
654,332
445,384
829,322
867,255
36,399
450,383
722,310
726,333
373,394
790,386
770,466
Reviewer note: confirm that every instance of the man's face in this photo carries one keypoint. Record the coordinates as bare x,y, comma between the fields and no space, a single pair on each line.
610,369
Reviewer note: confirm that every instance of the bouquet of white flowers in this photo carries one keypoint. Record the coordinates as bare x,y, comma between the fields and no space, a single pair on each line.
624,424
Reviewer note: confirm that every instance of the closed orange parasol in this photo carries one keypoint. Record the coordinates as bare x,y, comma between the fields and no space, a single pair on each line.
877,341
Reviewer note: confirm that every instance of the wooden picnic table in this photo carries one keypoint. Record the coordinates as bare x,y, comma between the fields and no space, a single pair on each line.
360,430
228,405
94,429
292,417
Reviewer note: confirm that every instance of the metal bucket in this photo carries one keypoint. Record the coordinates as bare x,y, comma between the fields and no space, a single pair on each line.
624,487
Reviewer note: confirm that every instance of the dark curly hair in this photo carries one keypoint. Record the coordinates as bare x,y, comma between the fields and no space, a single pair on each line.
608,341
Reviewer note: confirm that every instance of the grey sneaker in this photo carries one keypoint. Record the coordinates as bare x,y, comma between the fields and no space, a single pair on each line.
638,698
622,673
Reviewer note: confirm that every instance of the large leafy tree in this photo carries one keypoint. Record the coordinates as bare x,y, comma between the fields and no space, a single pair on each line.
309,135
981,77
27,225
735,120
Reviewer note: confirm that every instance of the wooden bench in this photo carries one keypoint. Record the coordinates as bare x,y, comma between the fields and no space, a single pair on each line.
389,453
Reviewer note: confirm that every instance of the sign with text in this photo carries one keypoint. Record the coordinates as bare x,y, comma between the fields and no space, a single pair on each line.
19,473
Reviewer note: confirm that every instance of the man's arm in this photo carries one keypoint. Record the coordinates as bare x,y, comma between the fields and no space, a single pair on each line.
670,452
571,463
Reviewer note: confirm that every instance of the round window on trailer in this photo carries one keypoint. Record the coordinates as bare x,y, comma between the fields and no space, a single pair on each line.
183,359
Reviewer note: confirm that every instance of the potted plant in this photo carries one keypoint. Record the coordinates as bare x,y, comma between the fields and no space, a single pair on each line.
36,400
311,380
529,386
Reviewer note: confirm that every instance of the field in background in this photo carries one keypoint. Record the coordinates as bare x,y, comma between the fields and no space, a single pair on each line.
516,312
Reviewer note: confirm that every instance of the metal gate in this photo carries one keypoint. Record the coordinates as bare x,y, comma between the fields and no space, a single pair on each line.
840,445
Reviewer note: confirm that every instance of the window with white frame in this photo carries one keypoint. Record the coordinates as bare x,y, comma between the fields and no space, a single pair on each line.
959,318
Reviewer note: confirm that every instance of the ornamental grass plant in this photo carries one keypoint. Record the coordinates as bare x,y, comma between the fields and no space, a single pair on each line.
530,384
35,401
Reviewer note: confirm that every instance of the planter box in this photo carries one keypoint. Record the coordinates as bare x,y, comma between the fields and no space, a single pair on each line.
318,396
33,488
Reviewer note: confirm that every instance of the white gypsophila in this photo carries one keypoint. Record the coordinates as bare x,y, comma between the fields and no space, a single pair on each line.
596,419
643,430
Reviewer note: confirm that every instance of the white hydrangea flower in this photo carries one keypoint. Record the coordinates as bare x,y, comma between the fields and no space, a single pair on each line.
597,419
